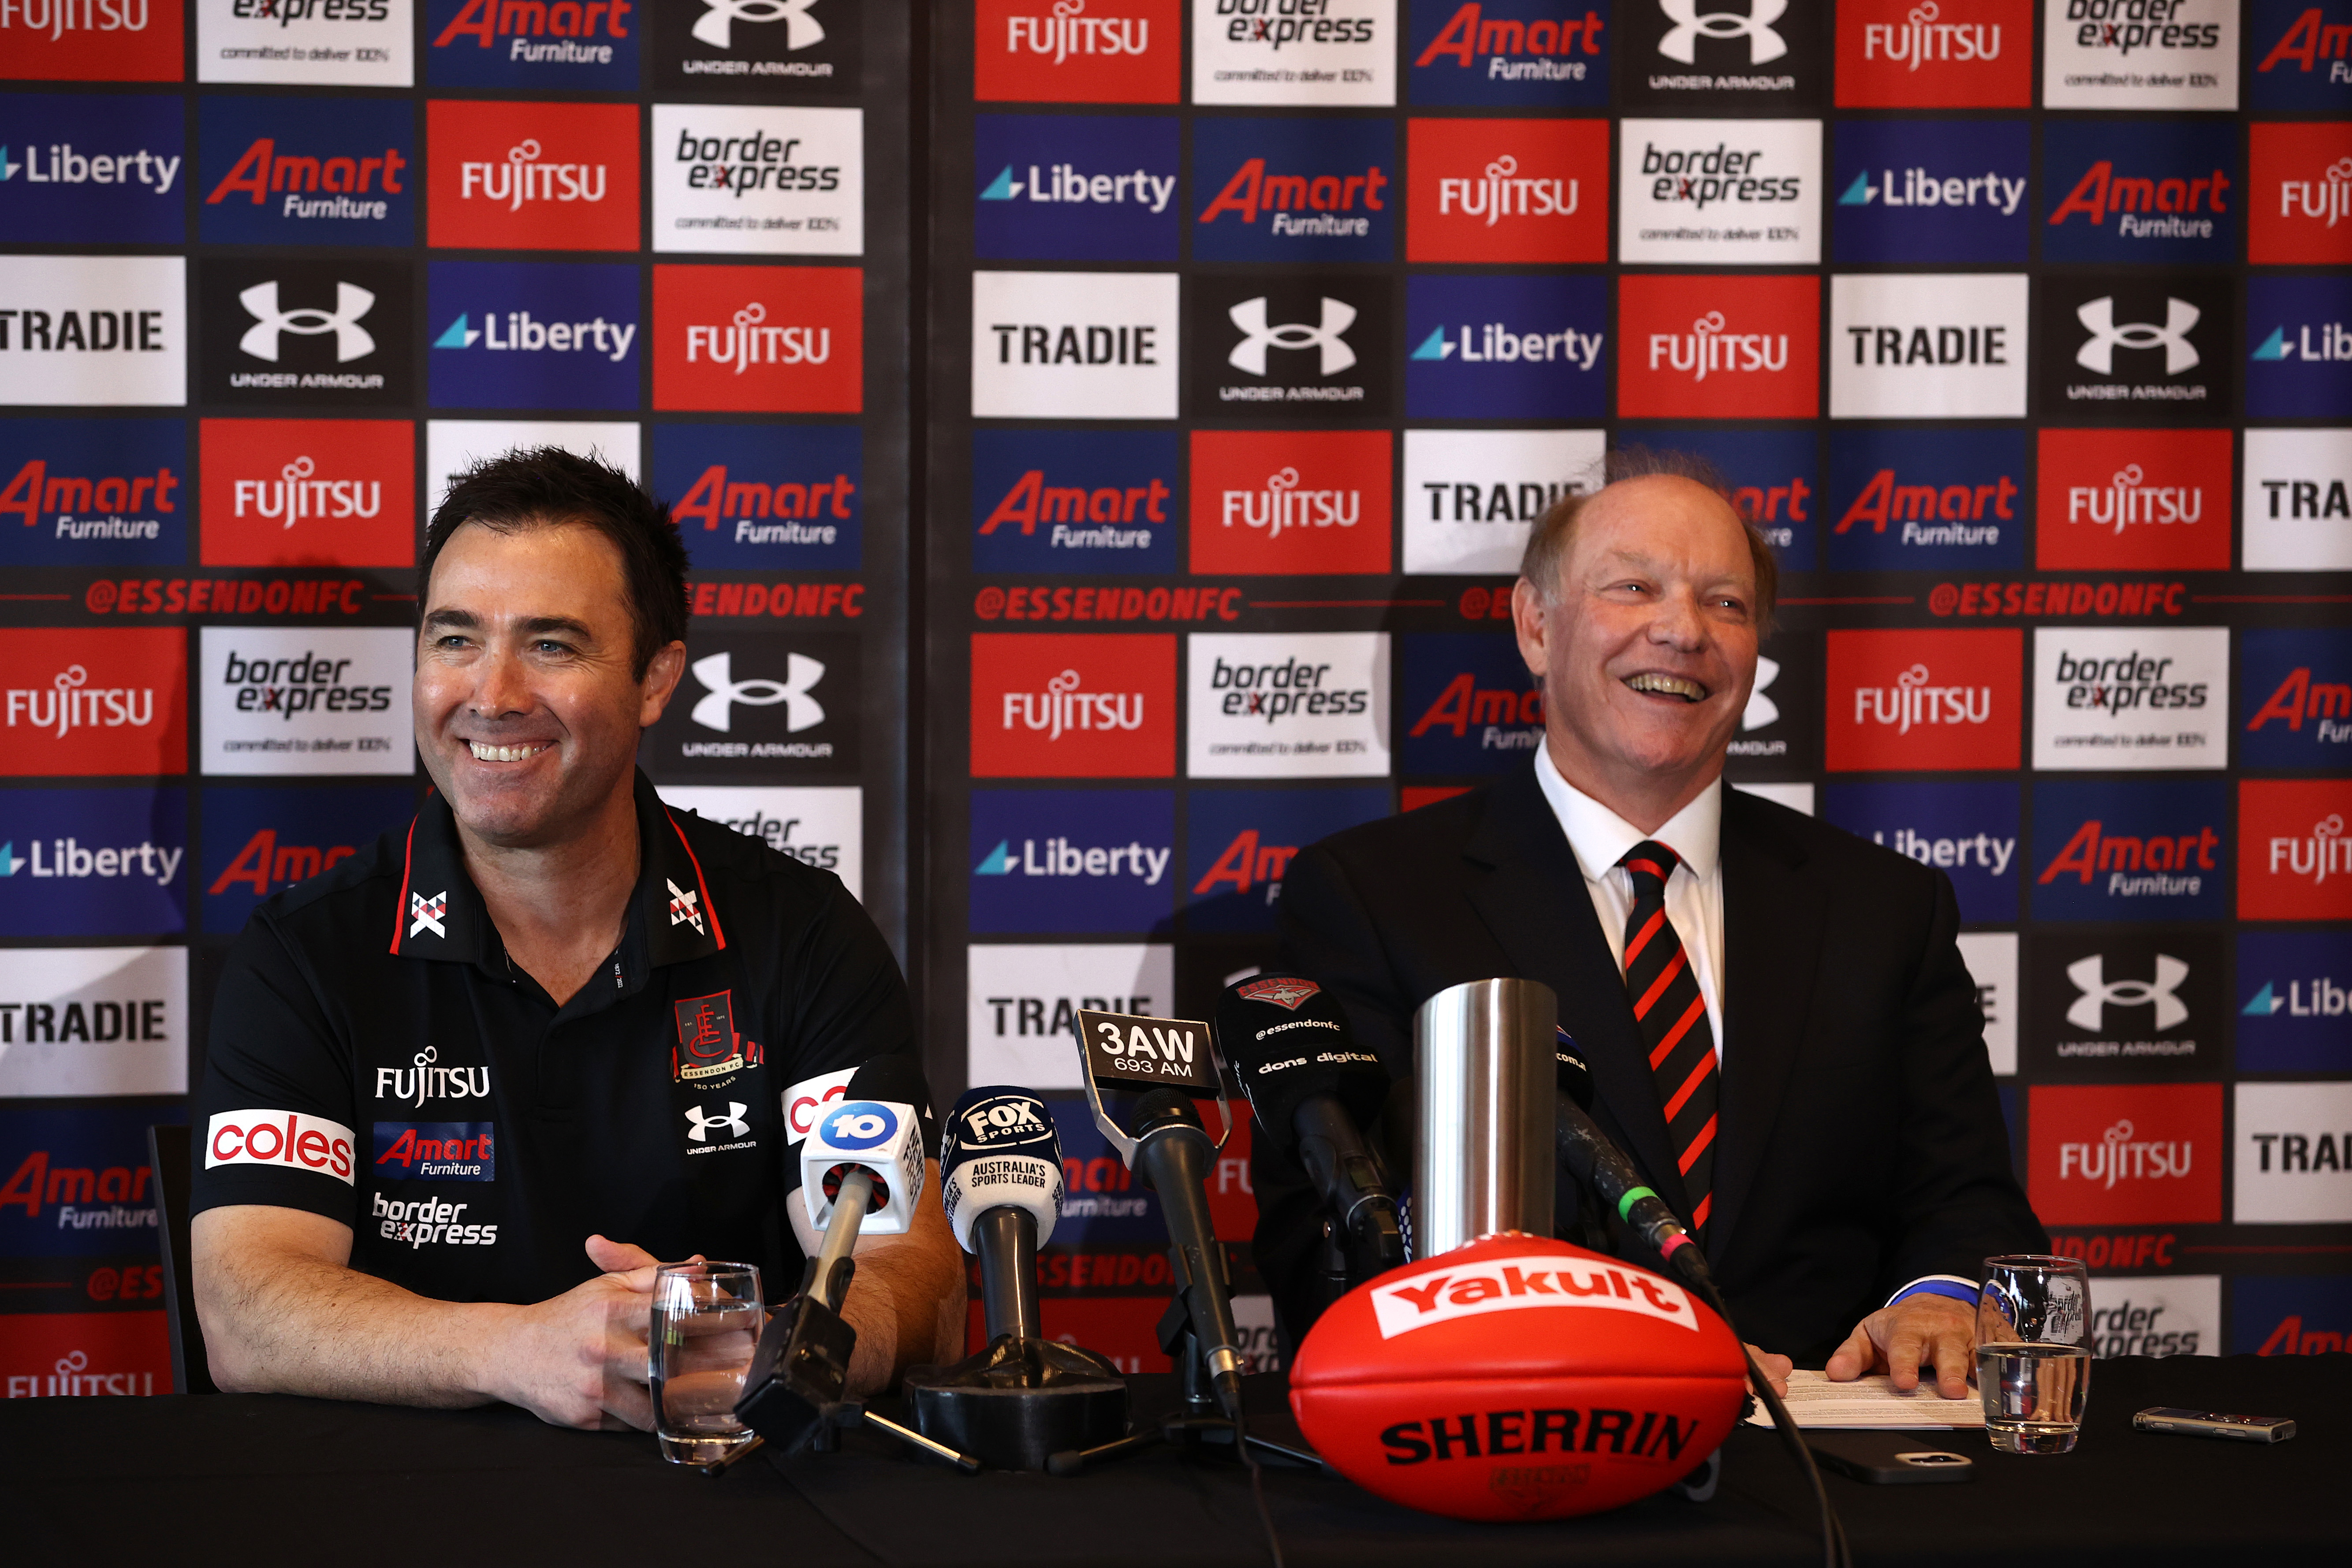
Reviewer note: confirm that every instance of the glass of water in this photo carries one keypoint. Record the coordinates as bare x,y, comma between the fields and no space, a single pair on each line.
2033,1352
706,1318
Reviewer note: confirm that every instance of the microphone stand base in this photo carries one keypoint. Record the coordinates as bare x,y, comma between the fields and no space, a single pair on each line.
1019,1403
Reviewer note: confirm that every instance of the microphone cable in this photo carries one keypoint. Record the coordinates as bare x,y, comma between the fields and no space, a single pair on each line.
1257,1485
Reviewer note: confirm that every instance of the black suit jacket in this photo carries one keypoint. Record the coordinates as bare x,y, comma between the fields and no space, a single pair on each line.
1862,1143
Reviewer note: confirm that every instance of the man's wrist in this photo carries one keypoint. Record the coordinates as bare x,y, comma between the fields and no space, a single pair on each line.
1950,1286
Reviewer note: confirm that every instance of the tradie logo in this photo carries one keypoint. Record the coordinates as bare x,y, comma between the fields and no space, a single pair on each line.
1326,337
2299,697
2098,318
802,711
523,178
1283,505
1707,347
685,908
728,1123
715,25
426,914
2325,852
1281,992
1681,41
746,341
1063,707
1912,700
2097,993
351,340
1502,192
2128,500
1920,38
295,495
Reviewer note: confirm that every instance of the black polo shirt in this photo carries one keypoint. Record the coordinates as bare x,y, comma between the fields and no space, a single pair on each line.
375,1058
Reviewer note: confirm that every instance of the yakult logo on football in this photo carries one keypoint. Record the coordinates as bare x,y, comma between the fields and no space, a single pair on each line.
282,1138
1507,190
1508,1284
1076,51
1924,699
2134,500
1718,347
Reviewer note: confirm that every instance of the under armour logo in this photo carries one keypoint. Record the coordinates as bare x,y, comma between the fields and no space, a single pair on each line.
1761,710
801,675
1681,42
2098,318
2099,993
1249,355
732,1123
424,914
351,340
800,29
683,907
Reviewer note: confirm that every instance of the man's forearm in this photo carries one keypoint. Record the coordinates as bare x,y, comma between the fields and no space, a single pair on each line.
906,1303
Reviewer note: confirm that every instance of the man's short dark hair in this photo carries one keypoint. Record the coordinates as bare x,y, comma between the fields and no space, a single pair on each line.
1549,541
547,487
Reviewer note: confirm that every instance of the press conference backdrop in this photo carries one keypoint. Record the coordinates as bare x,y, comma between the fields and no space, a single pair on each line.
1246,338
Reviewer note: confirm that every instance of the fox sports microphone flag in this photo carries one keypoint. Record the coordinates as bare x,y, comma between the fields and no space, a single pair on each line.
998,1150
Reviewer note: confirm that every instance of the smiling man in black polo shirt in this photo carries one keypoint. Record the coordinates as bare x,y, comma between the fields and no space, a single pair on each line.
465,1089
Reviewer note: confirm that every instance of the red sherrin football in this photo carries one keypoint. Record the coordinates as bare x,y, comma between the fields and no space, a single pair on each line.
1517,1378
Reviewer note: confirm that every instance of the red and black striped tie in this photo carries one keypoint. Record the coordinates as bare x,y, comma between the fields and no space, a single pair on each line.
1672,1017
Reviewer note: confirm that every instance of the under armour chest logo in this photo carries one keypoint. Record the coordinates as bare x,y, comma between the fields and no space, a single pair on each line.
2098,318
2099,993
800,29
1681,42
351,340
1249,355
683,910
732,1124
424,914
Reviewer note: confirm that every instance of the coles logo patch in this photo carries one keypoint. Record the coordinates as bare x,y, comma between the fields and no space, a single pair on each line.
102,702
90,493
1076,500
87,169
1921,700
566,44
2134,501
285,1139
1935,54
1509,54
1718,348
1469,703
1239,844
1491,191
2300,365
1941,500
1063,187
310,492
1507,347
1290,502
2125,1153
2302,53
525,335
759,339
531,176
260,839
94,40
1077,706
2115,851
2295,861
2297,501
1073,860
1936,191
2299,182
1775,478
1294,190
2141,190
1078,51
1441,1294
306,171
1471,496
763,497
2294,698
1968,831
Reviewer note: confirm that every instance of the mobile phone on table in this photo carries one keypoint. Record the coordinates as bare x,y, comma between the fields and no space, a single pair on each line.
2189,1423
1889,1459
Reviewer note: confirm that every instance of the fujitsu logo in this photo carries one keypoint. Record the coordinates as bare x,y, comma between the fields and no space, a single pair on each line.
295,495
2127,501
352,341
2096,993
1326,337
1681,40
2118,1156
1070,31
59,17
523,178
748,343
1062,707
72,704
1283,505
2299,697
801,31
2328,197
1502,192
1911,702
2325,853
2098,318
1707,348
1919,38
415,1085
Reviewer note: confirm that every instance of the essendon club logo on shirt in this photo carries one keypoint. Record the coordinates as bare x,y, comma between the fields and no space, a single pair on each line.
1073,706
93,702
2294,860
2300,206
531,176
1935,54
1076,51
1924,699
2134,501
1718,348
310,492
2125,1154
759,339
92,40
1285,502
1507,190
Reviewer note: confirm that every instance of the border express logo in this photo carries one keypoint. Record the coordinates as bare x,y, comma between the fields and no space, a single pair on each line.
2110,697
112,40
1294,190
306,700
2298,501
758,45
1723,54
1711,347
760,340
1262,705
1775,477
2297,986
1969,831
103,493
1239,843
94,862
759,703
278,332
1087,705
260,839
1471,704
1076,500
1490,191
1059,188
1916,700
1277,502
1074,345
1927,500
2119,349
1073,860
571,45
1719,192
2294,698
305,171
1935,54
764,497
2310,169
1507,347
107,330
2294,862
2130,851
1509,54
532,176
2139,54
1326,53
1472,496
527,335
305,43
817,825
310,492
1289,346
81,170
2131,1005
83,702
1928,346
751,180
2141,190
1094,51
2125,1153
1931,190
2303,55
2134,501
2302,360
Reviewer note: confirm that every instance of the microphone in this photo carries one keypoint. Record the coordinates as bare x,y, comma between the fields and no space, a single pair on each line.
1172,1154
1000,1179
1315,1092
1594,1160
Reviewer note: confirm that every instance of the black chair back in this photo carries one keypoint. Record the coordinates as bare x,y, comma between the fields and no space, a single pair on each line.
167,1154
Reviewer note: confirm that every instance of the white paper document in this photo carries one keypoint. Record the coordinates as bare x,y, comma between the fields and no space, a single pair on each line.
1870,1402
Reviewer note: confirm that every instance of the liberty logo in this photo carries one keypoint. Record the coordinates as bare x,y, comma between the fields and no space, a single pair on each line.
801,30
2097,993
426,914
351,340
732,1123
2098,318
1681,42
1328,337
802,710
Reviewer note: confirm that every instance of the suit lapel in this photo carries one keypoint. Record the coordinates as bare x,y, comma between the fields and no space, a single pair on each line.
1772,932
1535,903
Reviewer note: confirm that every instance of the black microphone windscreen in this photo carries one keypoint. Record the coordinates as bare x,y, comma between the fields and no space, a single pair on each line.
1287,1040
1575,1077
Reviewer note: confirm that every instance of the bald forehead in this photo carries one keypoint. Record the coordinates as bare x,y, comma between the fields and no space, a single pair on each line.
1660,518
